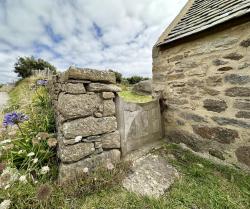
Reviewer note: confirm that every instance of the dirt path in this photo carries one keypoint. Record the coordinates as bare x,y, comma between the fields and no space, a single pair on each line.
3,99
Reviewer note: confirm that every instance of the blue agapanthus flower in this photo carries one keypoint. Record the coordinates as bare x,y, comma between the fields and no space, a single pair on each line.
41,82
14,118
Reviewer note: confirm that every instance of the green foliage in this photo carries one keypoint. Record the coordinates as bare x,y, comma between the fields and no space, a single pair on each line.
37,105
118,76
135,79
25,65
1,85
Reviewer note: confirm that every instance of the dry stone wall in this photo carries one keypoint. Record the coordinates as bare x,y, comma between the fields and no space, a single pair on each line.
205,85
84,101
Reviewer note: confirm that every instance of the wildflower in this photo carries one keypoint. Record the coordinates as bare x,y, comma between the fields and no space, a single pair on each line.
14,118
42,136
7,187
44,169
35,141
31,154
5,204
44,192
8,176
110,166
35,160
41,82
78,138
5,141
86,170
20,152
52,142
2,167
23,179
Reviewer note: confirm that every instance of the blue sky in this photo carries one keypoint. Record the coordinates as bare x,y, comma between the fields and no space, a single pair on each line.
101,34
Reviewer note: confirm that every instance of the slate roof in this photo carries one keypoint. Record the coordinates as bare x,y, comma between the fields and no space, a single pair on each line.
204,14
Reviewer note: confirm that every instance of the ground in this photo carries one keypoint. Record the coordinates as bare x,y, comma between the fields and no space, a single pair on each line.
201,184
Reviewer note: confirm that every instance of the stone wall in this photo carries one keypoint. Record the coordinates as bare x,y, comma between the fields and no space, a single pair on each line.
86,120
205,85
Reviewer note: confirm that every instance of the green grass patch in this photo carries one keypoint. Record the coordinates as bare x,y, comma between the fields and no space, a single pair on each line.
130,96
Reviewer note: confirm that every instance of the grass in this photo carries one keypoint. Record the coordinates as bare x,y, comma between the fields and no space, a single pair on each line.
129,96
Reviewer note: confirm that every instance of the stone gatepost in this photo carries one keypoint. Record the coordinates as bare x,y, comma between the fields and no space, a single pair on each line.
84,101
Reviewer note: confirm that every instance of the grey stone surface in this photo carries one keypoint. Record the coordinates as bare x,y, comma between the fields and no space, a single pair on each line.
216,153
151,176
111,140
219,62
89,126
226,68
143,87
69,172
243,114
233,56
209,91
244,65
238,92
245,43
214,81
90,75
219,134
193,117
76,152
215,105
231,121
108,108
75,106
108,95
243,155
100,87
237,79
74,88
242,105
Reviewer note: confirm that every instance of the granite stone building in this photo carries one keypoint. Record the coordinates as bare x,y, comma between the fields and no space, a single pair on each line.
201,69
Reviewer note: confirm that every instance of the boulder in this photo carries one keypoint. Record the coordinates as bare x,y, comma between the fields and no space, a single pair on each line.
89,127
143,87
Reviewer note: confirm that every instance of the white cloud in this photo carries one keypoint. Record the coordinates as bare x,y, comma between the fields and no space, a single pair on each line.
127,31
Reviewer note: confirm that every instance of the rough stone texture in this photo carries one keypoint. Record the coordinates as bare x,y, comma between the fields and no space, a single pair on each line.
215,105
219,134
237,79
100,87
89,126
213,68
111,140
243,114
108,108
216,153
243,155
74,88
151,176
143,87
86,122
76,152
242,105
75,106
108,95
90,75
193,117
68,172
231,121
233,56
238,92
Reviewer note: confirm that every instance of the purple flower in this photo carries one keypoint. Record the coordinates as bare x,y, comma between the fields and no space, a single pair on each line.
14,118
41,82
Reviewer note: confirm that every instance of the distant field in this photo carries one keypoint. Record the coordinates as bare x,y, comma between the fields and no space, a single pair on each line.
129,96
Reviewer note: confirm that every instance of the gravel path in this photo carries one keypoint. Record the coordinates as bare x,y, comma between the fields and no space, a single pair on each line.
3,99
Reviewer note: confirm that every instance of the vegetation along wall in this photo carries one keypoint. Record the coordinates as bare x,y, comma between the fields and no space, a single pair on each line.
205,85
86,120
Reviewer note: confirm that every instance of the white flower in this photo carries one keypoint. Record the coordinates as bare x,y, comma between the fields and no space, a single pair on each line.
23,179
31,154
44,169
86,170
5,204
7,186
8,176
7,141
110,166
20,152
78,138
35,160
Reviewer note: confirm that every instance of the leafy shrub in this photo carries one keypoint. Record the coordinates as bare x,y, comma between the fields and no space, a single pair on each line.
135,79
25,65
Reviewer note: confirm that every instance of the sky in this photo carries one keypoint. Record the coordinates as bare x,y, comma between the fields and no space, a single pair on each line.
99,34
